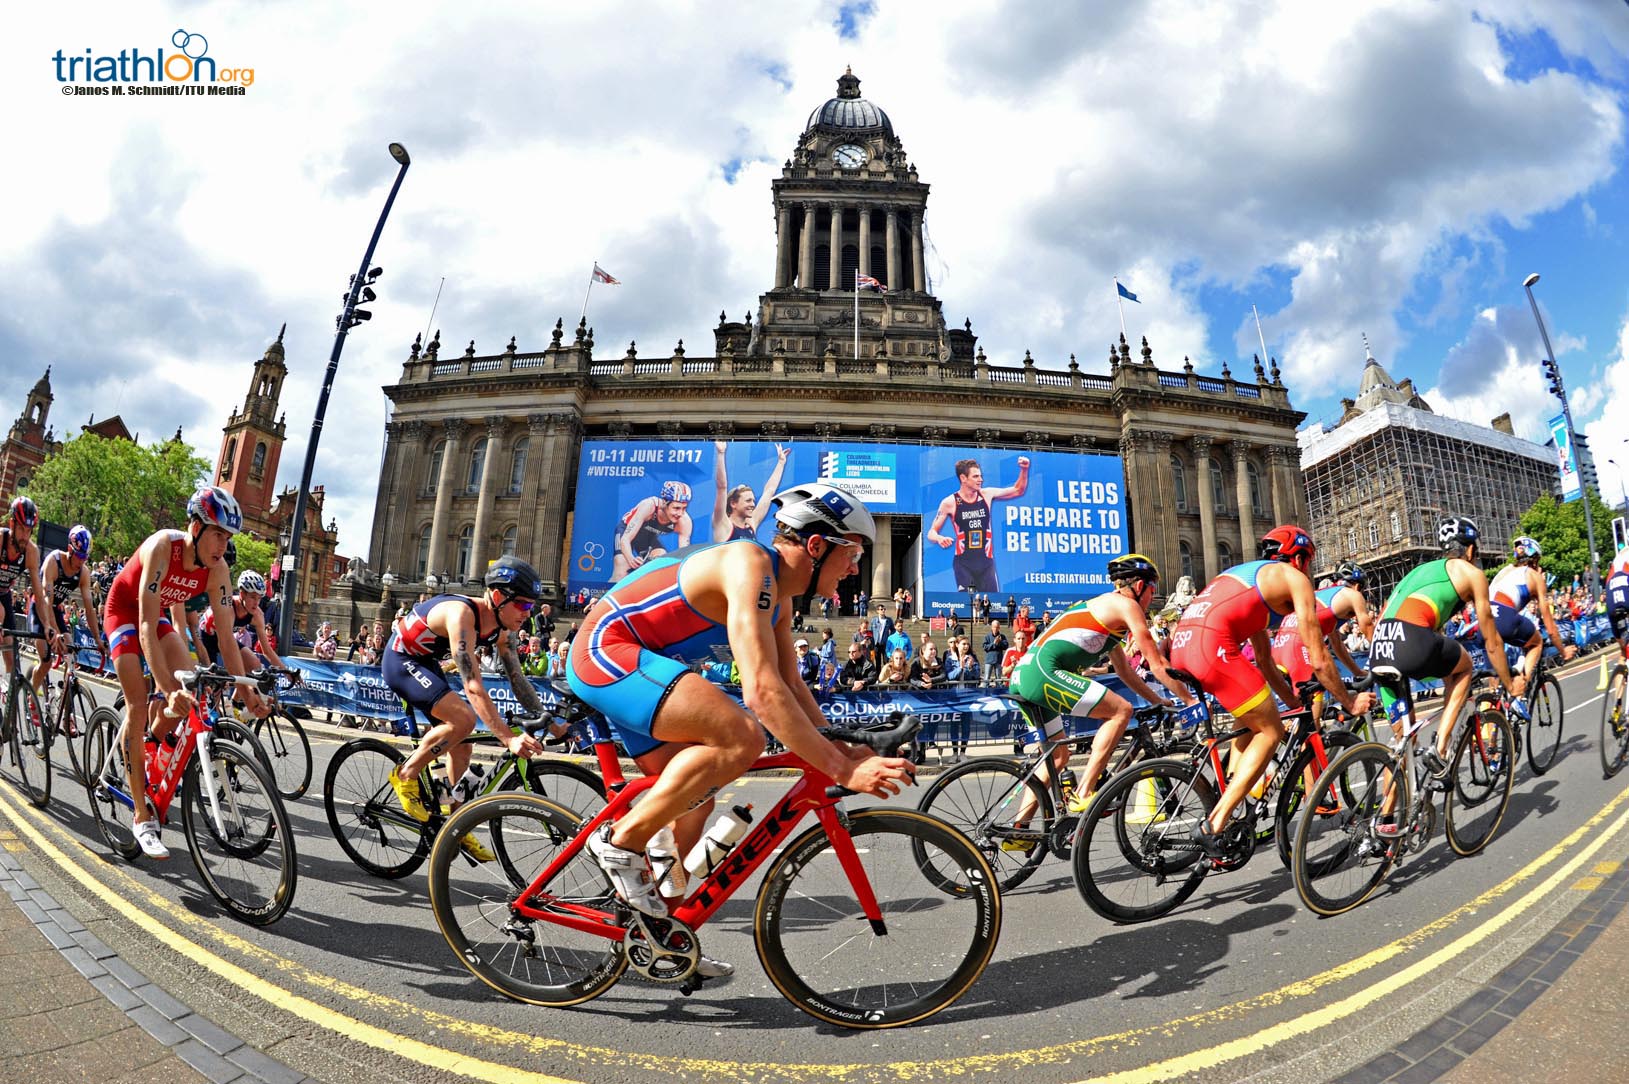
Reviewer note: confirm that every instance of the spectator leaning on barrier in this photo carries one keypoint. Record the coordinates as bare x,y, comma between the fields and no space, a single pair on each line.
928,670
897,670
859,672
808,662
327,645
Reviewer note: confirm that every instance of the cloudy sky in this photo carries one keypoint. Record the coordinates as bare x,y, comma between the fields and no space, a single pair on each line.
1394,169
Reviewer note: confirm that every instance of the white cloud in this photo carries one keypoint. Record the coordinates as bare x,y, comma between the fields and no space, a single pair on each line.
1178,145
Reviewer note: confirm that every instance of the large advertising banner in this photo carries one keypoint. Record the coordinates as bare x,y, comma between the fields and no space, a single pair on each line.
1041,526
1566,464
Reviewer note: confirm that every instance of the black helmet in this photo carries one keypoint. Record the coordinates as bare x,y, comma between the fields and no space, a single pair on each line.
513,576
1134,566
1456,531
1350,572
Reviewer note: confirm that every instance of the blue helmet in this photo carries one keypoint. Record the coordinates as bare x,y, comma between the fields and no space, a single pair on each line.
514,576
675,491
79,541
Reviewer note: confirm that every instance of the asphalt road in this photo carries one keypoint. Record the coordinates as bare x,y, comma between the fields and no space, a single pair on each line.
1241,983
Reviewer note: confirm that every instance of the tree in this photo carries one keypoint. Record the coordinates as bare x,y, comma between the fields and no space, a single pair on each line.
1559,528
254,554
119,489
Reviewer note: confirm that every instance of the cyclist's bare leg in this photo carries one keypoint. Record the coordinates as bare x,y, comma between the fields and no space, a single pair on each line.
1116,713
455,720
717,740
687,829
1059,760
134,732
1456,687
1250,757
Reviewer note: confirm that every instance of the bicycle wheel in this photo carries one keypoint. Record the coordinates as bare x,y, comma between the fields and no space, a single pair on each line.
1479,785
523,958
820,952
30,743
245,858
1614,725
981,799
1293,790
570,785
73,714
112,816
1545,710
1134,857
1338,860
289,750
371,826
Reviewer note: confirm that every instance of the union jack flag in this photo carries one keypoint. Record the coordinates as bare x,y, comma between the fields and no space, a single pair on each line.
869,283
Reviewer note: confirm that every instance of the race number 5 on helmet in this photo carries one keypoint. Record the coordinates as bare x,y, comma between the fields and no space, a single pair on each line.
818,508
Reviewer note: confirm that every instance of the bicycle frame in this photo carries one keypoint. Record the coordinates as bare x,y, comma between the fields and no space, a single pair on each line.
196,733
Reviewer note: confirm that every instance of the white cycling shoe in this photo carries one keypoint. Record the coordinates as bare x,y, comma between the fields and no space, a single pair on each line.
630,874
709,968
146,833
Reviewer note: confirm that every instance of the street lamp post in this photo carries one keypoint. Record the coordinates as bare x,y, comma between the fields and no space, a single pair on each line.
1553,371
361,291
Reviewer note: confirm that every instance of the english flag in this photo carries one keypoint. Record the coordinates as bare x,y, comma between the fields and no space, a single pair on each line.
870,283
602,275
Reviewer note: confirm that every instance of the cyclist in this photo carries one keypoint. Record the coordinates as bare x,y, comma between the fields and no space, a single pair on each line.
454,626
1512,587
62,576
1617,599
631,661
248,622
168,568
1241,606
20,563
1408,635
187,615
1088,634
1341,601
639,533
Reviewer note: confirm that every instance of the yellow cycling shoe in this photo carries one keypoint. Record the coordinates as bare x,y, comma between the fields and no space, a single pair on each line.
472,847
1024,845
1080,803
407,792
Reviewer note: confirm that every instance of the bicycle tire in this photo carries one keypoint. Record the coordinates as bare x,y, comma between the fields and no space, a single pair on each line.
289,750
979,799
812,938
574,786
30,743
1134,856
1480,779
1614,725
1545,712
1293,790
113,817
1343,845
71,721
370,825
471,901
252,870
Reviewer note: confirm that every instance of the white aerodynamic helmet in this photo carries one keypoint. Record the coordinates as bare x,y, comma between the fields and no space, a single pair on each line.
816,507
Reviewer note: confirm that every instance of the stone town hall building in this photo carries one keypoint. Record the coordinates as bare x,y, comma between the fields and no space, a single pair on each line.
481,449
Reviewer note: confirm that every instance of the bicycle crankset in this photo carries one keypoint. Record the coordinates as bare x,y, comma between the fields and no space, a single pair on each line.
1240,839
1063,834
663,950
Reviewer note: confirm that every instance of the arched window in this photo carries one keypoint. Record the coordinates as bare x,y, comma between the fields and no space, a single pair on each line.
1396,527
1218,492
1224,556
258,467
1179,484
226,460
477,464
517,464
433,480
421,564
1185,559
466,542
1258,498
1374,534
509,537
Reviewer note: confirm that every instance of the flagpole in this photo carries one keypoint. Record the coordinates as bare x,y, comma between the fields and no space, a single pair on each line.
856,316
587,292
1121,305
1259,335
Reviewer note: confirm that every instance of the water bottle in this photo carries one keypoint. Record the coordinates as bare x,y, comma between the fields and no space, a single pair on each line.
721,835
1066,782
469,784
663,852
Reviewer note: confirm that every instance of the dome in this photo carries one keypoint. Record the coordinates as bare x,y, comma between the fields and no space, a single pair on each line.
848,112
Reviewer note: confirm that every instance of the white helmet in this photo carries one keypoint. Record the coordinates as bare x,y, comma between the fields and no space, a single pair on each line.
251,581
818,508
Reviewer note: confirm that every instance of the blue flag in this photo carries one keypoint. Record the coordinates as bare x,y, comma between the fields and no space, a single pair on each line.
1125,293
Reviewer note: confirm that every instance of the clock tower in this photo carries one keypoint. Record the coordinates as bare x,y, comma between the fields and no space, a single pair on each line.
848,203
252,443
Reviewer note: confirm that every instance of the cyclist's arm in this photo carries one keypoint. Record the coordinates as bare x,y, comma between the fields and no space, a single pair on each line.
1134,681
47,619
1545,612
686,527
1312,636
721,489
1466,574
760,511
522,687
1143,640
1344,654
92,619
792,673
154,556
1263,646
461,634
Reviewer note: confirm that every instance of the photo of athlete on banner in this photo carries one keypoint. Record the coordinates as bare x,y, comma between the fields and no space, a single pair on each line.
736,512
639,535
972,524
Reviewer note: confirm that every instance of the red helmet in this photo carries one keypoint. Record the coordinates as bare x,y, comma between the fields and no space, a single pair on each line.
1286,543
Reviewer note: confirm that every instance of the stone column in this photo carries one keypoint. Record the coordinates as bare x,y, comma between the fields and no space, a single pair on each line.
454,430
1241,488
1201,446
835,282
533,495
882,563
1283,468
783,246
892,241
865,240
919,275
399,546
496,427
391,483
806,248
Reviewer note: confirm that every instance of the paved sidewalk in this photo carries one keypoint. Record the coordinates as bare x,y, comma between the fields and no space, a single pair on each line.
72,1010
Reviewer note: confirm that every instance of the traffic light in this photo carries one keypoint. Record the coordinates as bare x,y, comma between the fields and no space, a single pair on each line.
1553,375
1620,533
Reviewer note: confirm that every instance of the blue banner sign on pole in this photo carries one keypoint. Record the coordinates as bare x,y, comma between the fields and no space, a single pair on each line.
1566,462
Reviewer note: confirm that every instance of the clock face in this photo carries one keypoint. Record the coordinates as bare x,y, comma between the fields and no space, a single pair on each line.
849,156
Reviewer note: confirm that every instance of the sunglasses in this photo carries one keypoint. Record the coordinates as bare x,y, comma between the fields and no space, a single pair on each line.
524,605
